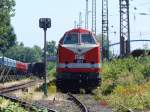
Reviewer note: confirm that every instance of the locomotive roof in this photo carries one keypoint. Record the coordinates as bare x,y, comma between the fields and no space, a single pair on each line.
78,30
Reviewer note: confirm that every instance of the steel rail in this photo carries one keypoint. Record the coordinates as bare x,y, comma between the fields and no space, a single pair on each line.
128,109
78,103
26,104
17,87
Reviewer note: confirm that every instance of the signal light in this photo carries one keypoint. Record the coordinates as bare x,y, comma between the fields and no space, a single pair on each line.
44,23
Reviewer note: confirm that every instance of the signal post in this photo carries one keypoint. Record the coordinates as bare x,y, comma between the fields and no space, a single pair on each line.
45,23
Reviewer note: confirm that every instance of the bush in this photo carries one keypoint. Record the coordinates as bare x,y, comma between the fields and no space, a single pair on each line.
125,84
51,70
8,106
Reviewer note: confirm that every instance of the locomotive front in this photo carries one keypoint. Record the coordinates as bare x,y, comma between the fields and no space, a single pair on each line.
78,60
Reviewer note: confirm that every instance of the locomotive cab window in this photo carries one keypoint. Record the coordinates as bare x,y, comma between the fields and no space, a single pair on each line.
71,39
87,39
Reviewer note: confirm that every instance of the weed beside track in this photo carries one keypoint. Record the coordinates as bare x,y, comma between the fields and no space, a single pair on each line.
126,84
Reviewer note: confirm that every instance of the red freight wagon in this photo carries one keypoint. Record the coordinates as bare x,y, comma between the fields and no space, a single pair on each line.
21,67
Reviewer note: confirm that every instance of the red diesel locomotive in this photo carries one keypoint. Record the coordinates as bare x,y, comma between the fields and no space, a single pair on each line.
78,60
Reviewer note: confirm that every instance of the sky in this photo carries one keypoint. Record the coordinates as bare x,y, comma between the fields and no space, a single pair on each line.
63,14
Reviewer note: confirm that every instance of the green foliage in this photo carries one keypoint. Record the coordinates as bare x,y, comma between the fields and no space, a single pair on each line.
7,35
51,65
125,84
146,70
6,12
25,54
7,40
51,70
8,106
51,47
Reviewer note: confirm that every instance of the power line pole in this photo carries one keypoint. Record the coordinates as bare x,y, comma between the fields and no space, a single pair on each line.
80,19
87,15
124,28
105,29
75,24
94,16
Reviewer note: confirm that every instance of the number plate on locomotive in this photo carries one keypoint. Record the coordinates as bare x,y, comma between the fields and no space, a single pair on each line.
79,61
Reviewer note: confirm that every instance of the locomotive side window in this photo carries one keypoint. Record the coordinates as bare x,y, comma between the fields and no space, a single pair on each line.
87,39
71,39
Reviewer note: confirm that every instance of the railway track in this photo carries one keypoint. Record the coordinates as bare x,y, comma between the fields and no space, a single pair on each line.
74,103
26,104
18,87
87,103
78,103
69,103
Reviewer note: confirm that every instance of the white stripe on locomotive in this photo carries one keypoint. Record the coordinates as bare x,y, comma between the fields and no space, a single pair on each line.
79,65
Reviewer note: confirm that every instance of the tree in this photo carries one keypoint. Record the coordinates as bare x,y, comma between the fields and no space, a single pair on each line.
24,54
8,40
7,35
6,12
51,47
38,52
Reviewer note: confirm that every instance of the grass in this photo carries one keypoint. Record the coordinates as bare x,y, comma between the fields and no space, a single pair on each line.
126,84
51,76
51,70
8,106
52,89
